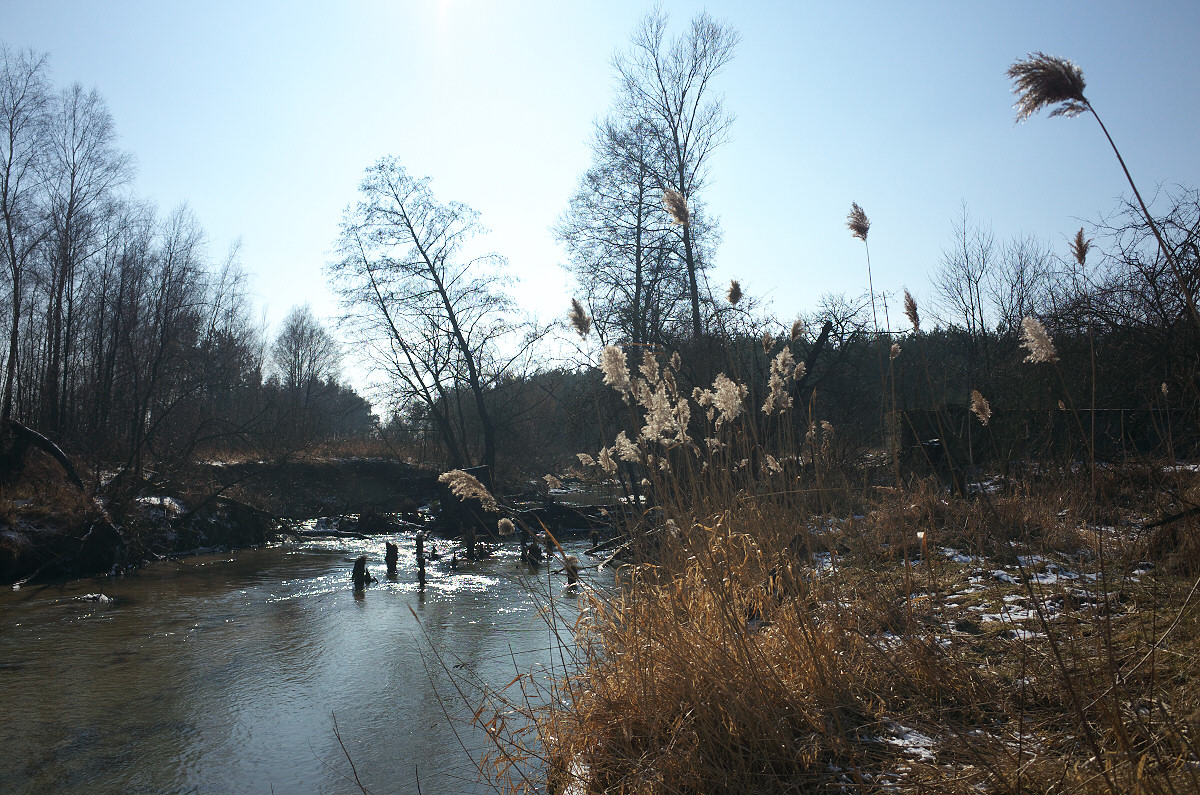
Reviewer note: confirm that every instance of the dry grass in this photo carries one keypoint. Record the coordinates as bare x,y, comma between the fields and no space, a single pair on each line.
788,624
740,663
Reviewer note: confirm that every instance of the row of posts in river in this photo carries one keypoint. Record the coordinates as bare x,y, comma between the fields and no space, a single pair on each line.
531,553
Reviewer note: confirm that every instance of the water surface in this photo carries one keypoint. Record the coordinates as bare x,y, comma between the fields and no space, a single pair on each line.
225,673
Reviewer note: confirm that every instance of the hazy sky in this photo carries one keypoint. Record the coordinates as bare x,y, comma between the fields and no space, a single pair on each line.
262,117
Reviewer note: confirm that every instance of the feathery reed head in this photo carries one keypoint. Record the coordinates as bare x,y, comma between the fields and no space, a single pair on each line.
735,292
768,341
552,482
505,527
677,206
616,371
627,450
1037,341
1043,80
579,319
857,222
1080,246
797,330
910,311
980,407
465,486
895,351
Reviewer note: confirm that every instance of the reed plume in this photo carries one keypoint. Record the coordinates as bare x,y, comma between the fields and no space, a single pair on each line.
857,222
735,292
505,527
627,450
579,319
616,371
1037,341
466,487
980,406
1080,247
895,351
676,205
910,311
1041,81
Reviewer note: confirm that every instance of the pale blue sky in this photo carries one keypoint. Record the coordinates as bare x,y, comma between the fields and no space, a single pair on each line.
262,116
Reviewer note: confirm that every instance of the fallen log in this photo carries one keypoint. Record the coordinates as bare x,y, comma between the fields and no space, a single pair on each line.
23,439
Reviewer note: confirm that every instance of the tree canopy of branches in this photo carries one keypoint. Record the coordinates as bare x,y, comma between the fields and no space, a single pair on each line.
430,315
636,263
304,354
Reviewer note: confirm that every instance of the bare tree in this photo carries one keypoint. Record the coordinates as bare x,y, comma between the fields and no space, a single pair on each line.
620,241
304,354
24,100
1019,286
667,91
429,311
82,169
966,267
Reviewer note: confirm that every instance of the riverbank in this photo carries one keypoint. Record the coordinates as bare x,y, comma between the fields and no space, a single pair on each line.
50,529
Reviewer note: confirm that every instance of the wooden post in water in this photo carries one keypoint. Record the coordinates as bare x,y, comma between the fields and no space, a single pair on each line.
391,557
359,574
420,559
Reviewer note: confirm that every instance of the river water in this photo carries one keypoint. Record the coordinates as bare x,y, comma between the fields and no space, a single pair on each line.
225,673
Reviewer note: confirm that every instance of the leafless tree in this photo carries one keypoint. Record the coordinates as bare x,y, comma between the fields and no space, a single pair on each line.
24,102
667,92
1019,286
429,311
82,169
304,354
620,241
963,274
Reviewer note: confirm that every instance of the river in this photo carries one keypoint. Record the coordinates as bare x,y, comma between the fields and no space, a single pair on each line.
224,673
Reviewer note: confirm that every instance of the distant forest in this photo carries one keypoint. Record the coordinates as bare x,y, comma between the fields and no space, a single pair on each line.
125,342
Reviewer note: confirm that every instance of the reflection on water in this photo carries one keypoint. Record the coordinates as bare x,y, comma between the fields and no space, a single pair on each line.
224,673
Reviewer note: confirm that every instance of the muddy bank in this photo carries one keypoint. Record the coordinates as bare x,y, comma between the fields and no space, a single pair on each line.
71,545
53,531
308,489
61,534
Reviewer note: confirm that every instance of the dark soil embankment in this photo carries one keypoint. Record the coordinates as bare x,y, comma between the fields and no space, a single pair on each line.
55,531
51,530
308,489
